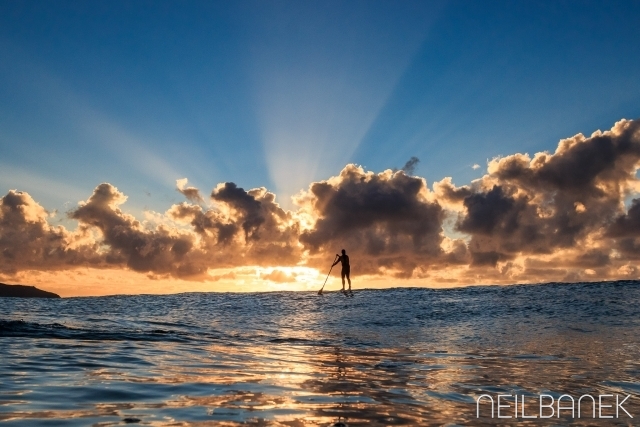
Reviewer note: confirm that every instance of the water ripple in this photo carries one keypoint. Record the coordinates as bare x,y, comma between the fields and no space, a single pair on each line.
383,357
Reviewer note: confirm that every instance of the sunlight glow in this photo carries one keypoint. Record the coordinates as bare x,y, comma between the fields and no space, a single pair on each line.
300,278
317,97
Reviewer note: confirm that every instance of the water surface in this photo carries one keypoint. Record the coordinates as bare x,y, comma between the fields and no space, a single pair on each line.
384,357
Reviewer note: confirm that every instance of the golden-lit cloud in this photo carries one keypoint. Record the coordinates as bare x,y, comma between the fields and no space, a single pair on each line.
191,193
279,276
552,202
388,221
568,215
28,241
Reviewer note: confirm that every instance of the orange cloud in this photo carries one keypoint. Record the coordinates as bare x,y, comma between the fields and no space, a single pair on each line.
27,241
279,276
389,221
554,201
550,217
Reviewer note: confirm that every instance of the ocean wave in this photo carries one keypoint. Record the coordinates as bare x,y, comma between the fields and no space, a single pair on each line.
21,328
404,356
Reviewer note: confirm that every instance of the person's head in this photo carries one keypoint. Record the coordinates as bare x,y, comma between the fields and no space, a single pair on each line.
344,252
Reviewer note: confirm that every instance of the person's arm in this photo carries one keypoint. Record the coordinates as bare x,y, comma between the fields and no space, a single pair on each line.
337,260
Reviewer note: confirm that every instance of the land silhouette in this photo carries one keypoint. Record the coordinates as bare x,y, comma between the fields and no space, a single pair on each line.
22,291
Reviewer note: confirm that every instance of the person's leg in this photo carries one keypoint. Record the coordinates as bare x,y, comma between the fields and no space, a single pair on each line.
343,281
349,279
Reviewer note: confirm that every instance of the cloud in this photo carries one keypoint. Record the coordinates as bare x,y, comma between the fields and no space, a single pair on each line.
550,216
242,228
279,276
128,243
217,277
387,220
625,230
410,167
27,241
191,193
551,201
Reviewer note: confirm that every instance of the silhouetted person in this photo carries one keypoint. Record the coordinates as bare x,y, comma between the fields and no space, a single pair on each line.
346,269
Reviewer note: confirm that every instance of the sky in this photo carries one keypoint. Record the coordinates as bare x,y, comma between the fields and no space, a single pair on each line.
154,147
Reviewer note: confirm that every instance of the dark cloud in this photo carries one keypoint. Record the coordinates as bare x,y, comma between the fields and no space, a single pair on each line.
243,227
553,201
625,231
553,216
270,233
410,167
385,219
161,250
250,211
593,258
627,224
491,212
27,241
191,193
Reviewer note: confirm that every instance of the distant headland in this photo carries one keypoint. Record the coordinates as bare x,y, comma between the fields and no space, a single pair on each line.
21,291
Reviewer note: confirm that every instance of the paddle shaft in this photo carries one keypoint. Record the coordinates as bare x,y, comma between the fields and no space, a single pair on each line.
325,280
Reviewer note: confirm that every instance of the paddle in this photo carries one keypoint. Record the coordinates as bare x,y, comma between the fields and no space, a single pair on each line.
325,280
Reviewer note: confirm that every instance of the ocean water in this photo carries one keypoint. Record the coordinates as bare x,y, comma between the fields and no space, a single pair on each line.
383,357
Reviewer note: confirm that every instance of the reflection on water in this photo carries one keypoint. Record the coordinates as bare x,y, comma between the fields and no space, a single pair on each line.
295,360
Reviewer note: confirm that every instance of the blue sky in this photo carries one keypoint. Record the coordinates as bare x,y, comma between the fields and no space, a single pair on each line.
280,94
